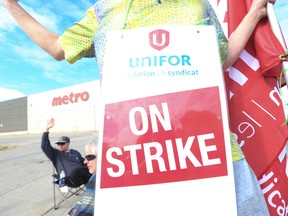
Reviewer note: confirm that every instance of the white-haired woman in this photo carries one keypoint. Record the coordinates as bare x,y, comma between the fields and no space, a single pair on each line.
86,205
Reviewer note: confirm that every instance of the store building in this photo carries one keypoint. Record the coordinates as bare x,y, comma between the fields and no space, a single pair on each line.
74,108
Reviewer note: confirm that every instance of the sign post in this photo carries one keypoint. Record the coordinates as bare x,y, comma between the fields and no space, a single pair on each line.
164,142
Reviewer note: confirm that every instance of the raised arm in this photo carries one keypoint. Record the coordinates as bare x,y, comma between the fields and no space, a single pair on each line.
45,142
241,35
43,37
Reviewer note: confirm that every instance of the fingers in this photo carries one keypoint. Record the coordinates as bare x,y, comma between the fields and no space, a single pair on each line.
51,122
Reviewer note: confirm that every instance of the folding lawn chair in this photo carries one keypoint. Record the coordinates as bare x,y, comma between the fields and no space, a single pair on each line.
64,195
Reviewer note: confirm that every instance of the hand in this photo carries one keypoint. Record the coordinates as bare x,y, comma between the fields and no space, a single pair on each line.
5,3
50,124
259,7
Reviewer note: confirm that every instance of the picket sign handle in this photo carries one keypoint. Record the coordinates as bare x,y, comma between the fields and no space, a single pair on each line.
277,31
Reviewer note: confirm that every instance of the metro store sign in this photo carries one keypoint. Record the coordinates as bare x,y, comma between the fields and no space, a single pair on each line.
70,98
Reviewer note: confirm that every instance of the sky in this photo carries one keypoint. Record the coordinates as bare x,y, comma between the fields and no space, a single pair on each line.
25,69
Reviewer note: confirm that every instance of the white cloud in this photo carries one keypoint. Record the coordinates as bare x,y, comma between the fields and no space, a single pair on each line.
35,56
61,72
30,53
71,10
7,22
45,17
9,94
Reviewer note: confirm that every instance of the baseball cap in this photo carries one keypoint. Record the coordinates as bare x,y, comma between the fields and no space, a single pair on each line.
63,139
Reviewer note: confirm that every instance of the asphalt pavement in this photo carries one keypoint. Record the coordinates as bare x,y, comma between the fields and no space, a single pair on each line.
26,187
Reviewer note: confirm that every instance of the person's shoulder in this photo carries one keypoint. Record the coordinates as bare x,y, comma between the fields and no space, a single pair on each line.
75,153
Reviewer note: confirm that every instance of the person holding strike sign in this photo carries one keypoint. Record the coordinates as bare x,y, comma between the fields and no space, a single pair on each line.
87,38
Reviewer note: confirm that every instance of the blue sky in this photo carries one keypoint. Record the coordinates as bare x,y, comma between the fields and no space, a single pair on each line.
25,69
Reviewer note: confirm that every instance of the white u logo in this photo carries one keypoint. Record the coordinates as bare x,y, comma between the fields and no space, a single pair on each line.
158,42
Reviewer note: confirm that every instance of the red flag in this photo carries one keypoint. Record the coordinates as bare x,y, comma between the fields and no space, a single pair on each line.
256,110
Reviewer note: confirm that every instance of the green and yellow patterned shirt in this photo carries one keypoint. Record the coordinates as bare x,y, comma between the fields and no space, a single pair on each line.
87,38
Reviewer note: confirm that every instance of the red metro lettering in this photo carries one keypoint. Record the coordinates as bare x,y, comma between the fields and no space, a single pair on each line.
160,152
71,98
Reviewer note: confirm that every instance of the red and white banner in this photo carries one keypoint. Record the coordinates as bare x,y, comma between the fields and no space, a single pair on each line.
256,109
166,142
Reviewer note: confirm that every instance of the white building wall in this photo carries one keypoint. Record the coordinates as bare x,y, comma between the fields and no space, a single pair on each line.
77,109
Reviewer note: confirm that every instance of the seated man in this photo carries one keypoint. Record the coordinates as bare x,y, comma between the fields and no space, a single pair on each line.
65,159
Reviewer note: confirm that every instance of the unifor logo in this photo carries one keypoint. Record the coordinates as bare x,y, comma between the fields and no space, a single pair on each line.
159,39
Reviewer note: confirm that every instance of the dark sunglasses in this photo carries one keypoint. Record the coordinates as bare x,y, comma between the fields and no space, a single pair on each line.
90,157
60,144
